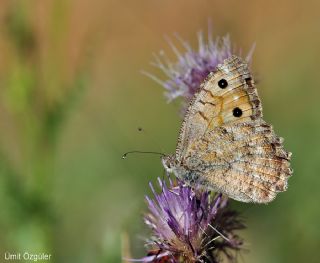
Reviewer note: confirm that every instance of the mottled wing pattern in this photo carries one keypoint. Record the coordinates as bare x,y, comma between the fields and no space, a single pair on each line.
225,144
246,161
213,106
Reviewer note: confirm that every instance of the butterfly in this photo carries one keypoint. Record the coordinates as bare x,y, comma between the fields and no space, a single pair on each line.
225,145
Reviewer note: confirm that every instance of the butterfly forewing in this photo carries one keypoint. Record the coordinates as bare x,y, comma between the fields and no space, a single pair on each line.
213,105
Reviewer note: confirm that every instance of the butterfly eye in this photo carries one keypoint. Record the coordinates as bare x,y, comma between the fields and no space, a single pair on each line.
222,83
237,112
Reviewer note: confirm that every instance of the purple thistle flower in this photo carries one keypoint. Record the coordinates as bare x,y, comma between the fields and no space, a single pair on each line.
192,66
190,225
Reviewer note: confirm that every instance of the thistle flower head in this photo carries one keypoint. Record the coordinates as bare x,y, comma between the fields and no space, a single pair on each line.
185,75
190,225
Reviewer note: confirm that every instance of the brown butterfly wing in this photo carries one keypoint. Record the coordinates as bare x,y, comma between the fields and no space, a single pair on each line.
213,106
225,144
246,161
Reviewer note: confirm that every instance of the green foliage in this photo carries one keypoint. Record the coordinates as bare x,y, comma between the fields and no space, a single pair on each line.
30,215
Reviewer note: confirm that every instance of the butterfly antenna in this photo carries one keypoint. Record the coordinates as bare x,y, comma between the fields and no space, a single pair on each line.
124,156
145,132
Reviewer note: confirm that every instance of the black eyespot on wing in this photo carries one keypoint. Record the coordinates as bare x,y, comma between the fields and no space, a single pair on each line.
222,83
237,112
249,81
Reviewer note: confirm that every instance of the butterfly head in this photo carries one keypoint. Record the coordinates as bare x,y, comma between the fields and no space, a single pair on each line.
169,163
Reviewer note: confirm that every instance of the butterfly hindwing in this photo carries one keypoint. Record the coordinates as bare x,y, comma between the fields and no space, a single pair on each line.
246,161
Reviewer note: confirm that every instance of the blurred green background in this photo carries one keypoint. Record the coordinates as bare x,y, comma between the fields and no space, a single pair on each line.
72,99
